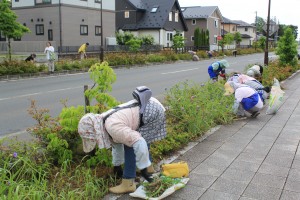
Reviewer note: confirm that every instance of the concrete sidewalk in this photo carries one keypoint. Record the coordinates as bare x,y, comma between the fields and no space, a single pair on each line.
249,159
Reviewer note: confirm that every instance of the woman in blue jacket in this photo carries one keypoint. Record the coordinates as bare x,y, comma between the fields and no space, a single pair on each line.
217,68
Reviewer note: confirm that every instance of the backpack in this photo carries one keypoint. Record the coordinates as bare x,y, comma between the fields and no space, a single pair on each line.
52,56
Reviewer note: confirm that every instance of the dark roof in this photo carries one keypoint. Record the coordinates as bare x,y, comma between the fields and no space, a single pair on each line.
228,21
138,4
242,23
200,12
154,20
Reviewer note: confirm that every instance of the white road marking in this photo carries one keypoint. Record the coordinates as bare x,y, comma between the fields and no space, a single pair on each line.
38,93
180,71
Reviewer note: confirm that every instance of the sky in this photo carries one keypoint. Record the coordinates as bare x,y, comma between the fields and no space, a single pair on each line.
287,11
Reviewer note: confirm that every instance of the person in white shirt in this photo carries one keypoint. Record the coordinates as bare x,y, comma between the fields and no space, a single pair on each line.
49,48
246,99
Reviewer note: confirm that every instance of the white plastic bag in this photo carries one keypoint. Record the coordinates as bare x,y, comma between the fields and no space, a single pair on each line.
140,192
276,98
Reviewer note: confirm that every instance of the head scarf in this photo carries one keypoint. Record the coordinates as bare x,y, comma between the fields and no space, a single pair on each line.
154,120
231,87
92,132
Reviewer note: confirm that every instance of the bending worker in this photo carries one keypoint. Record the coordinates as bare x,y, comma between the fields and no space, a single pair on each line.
246,99
128,132
216,69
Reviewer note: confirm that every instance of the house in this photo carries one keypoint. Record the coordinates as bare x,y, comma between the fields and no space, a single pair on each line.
206,18
247,31
159,18
67,23
228,26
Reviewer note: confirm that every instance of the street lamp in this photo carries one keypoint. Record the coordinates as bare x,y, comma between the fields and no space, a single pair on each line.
101,21
266,60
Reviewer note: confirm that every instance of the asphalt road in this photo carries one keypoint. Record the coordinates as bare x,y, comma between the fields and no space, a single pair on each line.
15,96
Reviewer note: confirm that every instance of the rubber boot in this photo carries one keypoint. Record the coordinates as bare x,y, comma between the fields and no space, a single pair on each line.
118,171
127,186
146,176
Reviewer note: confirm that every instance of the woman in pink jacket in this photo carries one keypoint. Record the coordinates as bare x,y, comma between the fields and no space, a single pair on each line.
129,133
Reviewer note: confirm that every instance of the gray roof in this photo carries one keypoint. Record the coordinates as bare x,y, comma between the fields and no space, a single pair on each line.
228,21
197,12
138,4
242,23
154,20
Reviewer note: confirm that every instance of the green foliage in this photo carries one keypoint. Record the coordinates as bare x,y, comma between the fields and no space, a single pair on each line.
262,42
9,26
123,37
197,36
70,117
287,48
260,22
19,67
237,38
282,28
103,76
207,37
102,157
147,39
178,41
134,44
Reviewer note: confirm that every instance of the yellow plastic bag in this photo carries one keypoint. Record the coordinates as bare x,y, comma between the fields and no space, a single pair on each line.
176,170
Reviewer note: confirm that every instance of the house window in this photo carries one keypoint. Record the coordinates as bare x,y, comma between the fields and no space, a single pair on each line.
84,30
176,16
154,9
246,29
216,23
2,37
16,0
215,39
169,36
50,35
97,1
233,28
98,30
170,16
42,1
192,38
39,29
193,22
126,14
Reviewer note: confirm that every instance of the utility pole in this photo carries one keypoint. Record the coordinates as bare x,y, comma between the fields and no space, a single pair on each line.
101,47
256,26
266,60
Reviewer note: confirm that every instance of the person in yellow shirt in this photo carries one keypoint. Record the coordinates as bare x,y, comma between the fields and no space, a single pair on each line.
82,50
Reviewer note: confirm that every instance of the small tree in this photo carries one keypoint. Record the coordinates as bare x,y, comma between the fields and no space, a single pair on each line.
237,38
9,26
178,41
197,38
287,48
207,38
228,39
261,43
